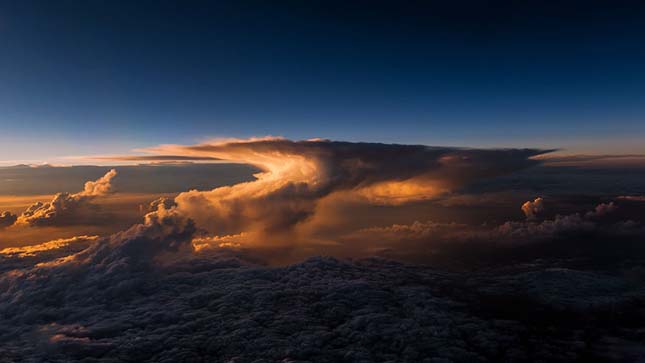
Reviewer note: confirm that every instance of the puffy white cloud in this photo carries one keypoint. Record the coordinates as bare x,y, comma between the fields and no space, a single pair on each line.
167,203
66,208
99,187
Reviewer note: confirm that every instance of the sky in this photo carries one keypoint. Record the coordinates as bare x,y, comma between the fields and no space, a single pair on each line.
105,77
322,181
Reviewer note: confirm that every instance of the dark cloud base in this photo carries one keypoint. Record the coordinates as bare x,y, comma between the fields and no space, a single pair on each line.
221,309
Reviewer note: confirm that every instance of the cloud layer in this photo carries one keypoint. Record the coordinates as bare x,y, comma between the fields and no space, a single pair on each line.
214,308
185,284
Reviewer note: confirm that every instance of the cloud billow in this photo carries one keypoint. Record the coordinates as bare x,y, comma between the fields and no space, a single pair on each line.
66,208
7,219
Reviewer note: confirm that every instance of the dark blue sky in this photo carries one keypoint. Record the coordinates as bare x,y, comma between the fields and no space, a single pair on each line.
83,77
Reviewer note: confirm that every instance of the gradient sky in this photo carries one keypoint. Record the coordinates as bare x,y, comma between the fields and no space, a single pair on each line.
97,77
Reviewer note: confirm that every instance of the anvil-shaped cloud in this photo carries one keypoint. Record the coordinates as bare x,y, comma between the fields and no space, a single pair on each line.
297,175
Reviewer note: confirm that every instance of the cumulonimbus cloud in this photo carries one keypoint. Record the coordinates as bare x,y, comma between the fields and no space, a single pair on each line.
66,208
296,175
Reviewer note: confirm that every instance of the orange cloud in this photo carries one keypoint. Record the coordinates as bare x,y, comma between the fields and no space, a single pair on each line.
32,250
532,208
297,175
67,208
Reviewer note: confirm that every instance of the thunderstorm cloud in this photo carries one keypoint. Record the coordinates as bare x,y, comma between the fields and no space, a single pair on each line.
296,176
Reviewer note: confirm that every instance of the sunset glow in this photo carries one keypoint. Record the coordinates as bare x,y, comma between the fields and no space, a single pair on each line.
322,181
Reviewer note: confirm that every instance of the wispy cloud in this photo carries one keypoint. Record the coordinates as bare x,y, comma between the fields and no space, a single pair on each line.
607,160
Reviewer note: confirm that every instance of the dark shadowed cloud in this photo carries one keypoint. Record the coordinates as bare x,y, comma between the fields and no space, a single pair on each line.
586,160
7,219
217,308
